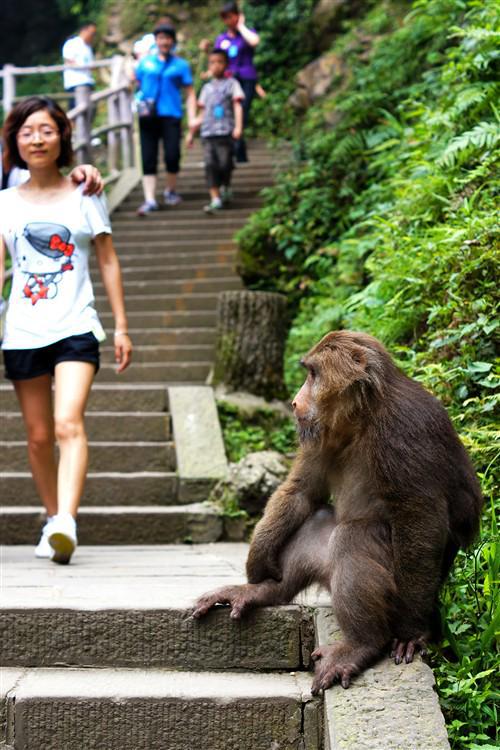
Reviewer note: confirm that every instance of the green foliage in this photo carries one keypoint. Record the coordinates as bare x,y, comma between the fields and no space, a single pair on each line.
387,221
262,430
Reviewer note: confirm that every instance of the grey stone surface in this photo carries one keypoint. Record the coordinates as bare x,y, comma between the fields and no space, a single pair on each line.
252,480
158,710
269,638
106,397
105,425
388,707
101,488
195,523
201,459
249,403
104,456
9,678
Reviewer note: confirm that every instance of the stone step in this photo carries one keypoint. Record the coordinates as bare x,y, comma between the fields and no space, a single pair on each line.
187,337
105,397
157,372
194,205
151,354
164,287
120,524
168,302
177,250
102,488
159,272
131,709
136,233
103,456
204,318
99,612
195,215
103,425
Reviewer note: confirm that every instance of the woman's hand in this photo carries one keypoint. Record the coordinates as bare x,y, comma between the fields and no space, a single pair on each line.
123,350
94,184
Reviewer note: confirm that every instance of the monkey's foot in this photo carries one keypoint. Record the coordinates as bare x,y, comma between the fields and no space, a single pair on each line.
405,650
337,663
239,598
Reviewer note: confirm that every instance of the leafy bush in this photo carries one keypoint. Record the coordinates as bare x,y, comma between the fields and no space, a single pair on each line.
386,221
263,430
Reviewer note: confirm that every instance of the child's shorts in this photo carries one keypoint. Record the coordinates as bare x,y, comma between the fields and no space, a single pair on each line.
24,364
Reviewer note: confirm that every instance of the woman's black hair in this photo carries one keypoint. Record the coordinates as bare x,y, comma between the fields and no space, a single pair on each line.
16,119
165,28
228,8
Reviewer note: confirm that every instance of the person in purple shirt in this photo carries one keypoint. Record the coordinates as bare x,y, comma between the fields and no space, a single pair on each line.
239,42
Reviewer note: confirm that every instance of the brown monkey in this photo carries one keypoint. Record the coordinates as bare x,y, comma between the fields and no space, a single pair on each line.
405,499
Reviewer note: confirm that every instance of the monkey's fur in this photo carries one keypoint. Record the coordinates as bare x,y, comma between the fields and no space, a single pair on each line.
406,498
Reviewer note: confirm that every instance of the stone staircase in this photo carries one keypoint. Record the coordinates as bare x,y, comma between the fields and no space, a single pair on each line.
103,654
174,263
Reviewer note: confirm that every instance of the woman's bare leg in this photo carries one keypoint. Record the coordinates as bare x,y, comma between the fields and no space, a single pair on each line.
72,387
35,399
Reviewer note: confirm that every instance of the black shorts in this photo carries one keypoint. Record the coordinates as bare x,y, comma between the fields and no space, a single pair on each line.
23,364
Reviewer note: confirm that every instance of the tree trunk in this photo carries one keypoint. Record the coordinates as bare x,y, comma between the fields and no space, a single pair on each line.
251,335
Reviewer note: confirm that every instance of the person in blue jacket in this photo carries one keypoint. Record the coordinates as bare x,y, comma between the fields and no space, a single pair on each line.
161,78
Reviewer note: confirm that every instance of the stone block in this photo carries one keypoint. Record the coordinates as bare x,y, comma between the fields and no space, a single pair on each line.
388,707
201,459
157,710
269,638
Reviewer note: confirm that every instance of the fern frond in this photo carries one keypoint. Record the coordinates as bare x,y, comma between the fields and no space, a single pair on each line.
485,135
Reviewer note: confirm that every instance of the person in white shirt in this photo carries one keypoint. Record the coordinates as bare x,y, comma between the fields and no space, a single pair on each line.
52,330
78,51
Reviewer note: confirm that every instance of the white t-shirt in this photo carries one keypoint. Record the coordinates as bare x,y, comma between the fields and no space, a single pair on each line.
51,296
80,53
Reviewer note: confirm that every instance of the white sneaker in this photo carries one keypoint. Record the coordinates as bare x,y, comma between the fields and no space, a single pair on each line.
62,538
43,548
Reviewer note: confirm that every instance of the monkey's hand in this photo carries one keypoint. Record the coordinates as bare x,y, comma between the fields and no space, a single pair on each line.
405,650
239,598
262,563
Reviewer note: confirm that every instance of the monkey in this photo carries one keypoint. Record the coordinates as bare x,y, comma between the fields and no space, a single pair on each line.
379,500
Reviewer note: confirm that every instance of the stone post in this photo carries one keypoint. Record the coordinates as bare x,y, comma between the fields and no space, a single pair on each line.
251,333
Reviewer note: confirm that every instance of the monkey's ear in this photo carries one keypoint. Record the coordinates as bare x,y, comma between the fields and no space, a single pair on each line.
358,356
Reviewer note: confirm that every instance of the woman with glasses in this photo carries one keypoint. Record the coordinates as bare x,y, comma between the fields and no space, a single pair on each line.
52,331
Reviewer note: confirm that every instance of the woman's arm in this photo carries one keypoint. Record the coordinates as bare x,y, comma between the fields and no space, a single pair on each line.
238,119
191,105
251,37
111,275
2,270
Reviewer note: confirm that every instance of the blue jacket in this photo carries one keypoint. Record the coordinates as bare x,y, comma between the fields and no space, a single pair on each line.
162,81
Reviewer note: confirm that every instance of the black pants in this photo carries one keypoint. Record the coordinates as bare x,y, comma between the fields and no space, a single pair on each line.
248,87
218,157
151,130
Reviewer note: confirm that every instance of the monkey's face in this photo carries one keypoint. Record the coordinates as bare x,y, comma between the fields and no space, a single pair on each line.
305,406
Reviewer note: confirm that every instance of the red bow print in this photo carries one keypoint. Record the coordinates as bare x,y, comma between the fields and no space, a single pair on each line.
40,294
56,243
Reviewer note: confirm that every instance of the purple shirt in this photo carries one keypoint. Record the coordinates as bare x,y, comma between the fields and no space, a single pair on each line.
240,55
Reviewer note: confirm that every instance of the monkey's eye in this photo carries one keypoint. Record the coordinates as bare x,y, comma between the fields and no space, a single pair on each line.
312,373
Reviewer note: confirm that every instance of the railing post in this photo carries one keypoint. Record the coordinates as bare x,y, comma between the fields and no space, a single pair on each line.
125,104
9,88
113,138
82,124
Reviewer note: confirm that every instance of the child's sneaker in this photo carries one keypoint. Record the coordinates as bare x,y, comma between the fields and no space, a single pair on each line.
213,207
147,207
43,548
226,195
171,198
62,538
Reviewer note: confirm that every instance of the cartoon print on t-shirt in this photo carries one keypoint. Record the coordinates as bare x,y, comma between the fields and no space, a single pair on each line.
44,254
